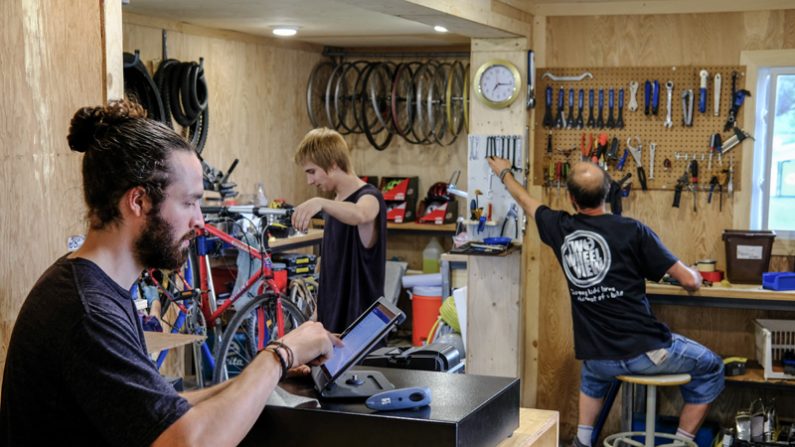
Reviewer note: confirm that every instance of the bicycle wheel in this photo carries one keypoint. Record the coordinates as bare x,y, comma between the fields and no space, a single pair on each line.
251,328
436,106
375,111
454,99
423,78
345,98
316,93
332,116
402,106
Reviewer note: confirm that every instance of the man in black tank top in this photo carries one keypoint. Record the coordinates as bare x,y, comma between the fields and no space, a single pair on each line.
353,261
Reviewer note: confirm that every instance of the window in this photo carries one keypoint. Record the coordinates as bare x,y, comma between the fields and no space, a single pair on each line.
773,197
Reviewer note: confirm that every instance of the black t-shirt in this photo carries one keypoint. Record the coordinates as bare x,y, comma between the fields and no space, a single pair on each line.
606,260
77,370
351,276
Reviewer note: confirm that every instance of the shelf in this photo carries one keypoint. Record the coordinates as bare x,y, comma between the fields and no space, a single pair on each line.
754,375
312,237
408,227
742,296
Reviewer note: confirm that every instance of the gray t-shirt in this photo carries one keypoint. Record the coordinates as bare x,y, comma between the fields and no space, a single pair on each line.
77,371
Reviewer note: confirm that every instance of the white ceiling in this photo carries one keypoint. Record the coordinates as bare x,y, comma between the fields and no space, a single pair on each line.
340,23
401,23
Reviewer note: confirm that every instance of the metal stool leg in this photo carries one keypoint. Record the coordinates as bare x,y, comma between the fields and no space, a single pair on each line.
651,414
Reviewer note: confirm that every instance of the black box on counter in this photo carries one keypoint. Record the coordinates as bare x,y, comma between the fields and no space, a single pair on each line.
465,410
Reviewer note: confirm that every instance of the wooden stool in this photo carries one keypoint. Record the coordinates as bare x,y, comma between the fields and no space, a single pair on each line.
651,382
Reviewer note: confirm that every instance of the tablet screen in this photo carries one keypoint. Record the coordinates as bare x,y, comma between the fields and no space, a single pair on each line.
358,338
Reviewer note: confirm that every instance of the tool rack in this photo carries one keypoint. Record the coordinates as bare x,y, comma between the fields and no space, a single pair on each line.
678,143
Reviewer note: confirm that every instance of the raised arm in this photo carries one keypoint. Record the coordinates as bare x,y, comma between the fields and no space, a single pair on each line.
501,166
363,211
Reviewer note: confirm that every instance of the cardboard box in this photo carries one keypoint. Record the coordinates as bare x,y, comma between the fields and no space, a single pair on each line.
400,188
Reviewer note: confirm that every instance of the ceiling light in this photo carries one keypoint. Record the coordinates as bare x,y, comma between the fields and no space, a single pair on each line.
285,31
440,29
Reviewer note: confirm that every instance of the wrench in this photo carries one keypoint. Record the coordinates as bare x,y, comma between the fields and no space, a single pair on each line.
600,123
560,122
580,100
652,149
716,96
669,86
570,116
687,108
702,91
637,155
611,102
590,122
633,96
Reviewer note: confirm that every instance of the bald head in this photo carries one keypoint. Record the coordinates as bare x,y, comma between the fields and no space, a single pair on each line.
588,185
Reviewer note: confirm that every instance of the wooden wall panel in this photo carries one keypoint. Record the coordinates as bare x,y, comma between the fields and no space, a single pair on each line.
47,75
620,41
256,99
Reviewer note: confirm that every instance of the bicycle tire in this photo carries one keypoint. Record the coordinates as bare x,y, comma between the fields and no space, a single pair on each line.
379,92
402,97
345,97
436,105
316,92
454,97
466,98
332,117
267,302
358,96
372,109
422,80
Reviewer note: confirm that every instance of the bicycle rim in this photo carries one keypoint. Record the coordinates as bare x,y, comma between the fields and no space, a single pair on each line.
316,93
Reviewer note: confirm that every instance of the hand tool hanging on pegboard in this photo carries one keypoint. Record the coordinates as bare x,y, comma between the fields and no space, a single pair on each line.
611,102
620,120
694,181
681,184
590,123
633,96
737,100
687,108
716,86
531,80
570,116
669,90
702,91
548,120
560,121
635,151
578,122
600,123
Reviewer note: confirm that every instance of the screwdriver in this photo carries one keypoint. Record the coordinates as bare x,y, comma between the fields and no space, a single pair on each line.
558,173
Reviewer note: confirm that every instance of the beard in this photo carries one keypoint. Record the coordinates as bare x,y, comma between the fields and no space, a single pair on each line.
156,247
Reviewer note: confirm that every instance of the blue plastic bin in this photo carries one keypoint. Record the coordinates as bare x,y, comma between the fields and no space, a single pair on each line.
778,280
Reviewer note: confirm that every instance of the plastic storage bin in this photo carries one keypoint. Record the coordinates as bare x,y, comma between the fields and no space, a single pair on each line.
747,254
778,280
772,339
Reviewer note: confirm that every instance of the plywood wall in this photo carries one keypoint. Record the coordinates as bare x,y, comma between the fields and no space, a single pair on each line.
46,76
256,98
620,41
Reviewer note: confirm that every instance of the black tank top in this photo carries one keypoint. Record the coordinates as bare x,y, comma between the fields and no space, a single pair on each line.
351,276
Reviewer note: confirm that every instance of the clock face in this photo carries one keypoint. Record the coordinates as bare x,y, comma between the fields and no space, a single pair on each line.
497,83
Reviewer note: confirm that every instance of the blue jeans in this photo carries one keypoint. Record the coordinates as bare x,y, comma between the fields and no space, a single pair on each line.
684,356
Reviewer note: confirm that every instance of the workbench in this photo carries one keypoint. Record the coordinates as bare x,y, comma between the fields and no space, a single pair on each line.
313,236
743,296
537,428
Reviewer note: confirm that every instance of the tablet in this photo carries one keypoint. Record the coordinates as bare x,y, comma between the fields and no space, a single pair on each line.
359,338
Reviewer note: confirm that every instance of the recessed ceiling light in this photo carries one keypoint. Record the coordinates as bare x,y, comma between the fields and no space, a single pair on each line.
285,31
440,29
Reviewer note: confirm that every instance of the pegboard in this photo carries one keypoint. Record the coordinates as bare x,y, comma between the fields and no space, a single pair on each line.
678,139
486,189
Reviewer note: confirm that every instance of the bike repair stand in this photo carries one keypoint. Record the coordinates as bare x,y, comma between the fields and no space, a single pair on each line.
359,383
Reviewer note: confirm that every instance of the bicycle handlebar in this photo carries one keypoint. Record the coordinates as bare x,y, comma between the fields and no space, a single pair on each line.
259,211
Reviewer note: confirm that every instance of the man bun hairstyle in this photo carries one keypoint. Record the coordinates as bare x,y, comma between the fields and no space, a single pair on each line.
122,149
325,148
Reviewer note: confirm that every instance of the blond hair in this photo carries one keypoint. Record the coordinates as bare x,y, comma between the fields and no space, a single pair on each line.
325,148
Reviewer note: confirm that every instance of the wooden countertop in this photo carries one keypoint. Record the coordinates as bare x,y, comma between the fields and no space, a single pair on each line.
738,291
536,427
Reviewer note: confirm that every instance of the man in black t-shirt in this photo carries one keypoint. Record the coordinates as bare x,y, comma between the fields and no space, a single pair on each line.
353,261
77,370
606,260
